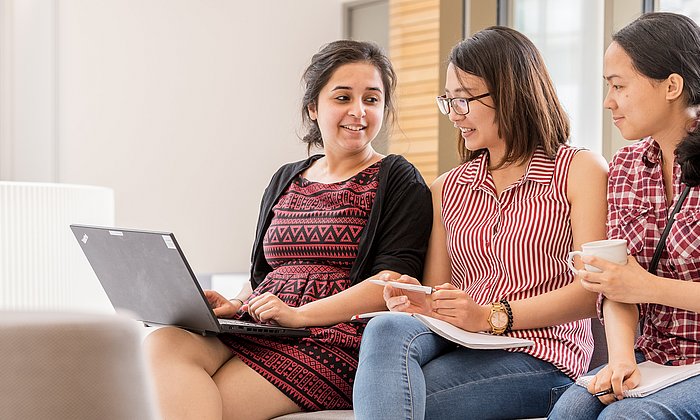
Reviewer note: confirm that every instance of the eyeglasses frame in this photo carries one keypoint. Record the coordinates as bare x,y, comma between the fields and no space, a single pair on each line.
450,108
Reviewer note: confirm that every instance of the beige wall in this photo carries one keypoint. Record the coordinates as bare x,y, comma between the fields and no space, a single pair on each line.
27,90
184,107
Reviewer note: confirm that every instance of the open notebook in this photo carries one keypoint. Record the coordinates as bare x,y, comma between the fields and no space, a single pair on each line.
457,335
655,377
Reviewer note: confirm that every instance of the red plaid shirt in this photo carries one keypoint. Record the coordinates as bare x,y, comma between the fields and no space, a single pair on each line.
638,212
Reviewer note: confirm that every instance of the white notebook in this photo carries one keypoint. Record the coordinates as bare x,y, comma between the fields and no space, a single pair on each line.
655,377
457,335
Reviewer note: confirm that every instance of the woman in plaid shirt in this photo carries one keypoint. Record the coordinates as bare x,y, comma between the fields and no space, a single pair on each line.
652,68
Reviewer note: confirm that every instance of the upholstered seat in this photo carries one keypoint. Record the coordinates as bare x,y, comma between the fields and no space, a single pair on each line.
72,366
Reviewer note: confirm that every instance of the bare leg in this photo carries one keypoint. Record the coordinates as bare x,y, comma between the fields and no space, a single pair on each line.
182,364
247,395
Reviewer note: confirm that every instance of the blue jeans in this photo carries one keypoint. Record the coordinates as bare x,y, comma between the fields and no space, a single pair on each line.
408,372
679,401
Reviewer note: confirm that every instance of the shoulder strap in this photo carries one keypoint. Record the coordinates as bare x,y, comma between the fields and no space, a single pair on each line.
662,242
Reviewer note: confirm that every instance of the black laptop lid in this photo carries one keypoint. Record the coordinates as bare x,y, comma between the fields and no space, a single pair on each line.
146,273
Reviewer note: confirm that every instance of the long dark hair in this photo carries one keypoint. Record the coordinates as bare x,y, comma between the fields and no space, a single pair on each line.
327,61
528,112
660,44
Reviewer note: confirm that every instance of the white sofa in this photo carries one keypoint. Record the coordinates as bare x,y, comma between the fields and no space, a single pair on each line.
72,366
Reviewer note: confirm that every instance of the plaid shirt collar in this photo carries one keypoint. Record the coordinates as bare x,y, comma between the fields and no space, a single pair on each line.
652,156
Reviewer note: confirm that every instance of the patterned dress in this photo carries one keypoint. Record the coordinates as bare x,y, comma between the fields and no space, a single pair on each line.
311,245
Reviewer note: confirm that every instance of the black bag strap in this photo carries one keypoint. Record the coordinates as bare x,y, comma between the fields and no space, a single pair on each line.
662,242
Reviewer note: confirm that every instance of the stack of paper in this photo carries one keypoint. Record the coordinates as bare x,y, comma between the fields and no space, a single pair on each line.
655,377
457,335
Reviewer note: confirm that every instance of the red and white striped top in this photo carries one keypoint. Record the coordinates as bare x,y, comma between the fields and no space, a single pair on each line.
515,246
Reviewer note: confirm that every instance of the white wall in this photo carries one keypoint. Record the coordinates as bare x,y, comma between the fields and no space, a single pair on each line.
27,90
184,107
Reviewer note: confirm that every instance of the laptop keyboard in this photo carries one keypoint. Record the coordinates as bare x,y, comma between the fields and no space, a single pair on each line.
224,321
253,328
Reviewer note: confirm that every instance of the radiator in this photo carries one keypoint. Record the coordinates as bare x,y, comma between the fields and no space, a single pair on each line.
41,264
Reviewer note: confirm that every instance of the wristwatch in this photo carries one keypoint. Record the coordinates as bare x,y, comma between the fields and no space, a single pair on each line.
499,318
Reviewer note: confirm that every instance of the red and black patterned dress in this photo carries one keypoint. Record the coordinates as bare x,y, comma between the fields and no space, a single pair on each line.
311,245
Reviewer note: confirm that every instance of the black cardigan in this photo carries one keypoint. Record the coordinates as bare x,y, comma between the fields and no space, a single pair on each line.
397,231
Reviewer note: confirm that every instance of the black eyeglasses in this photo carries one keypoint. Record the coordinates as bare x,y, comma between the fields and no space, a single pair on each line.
459,105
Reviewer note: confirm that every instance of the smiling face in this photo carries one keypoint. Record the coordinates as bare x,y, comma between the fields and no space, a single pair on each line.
640,106
479,128
350,108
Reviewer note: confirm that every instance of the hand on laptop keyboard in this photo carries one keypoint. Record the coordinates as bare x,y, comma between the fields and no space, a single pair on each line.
222,307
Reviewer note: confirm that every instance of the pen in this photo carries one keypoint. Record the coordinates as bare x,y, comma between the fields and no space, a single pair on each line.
605,392
406,286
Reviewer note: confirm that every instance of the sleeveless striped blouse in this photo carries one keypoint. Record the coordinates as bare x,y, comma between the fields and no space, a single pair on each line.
515,247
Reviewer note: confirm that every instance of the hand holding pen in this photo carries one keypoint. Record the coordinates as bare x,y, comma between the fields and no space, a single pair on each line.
405,294
405,286
456,306
610,382
444,302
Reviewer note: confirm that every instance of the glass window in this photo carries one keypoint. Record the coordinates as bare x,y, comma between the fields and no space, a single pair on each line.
690,8
570,36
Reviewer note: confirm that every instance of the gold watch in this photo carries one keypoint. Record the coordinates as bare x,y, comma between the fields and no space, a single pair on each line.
498,318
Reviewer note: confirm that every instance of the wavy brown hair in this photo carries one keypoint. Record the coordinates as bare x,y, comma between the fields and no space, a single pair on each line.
528,112
325,62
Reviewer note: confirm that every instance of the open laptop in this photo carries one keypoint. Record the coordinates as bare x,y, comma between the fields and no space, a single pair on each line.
147,274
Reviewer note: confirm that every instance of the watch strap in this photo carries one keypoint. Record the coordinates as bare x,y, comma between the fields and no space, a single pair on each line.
509,312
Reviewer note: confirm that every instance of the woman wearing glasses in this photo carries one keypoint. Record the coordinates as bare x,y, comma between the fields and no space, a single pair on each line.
504,222
326,224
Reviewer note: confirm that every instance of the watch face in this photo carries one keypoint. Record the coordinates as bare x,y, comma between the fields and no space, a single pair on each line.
499,319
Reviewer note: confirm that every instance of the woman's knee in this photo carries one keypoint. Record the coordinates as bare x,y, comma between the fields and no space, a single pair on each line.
166,341
395,340
577,403
386,333
171,344
386,326
650,409
619,411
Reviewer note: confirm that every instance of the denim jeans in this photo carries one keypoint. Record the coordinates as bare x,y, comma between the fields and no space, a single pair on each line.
679,401
408,372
